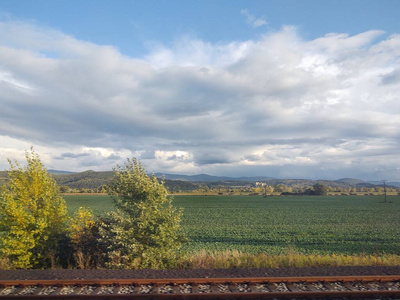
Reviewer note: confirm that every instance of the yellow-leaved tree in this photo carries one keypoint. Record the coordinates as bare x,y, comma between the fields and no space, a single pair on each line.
33,216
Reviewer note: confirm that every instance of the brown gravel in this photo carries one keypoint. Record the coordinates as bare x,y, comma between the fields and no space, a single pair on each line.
195,273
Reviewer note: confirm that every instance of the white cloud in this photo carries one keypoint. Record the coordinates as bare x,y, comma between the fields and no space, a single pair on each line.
252,20
274,104
187,52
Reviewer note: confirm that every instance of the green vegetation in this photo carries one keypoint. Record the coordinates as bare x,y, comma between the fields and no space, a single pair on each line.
84,181
3,178
307,224
84,239
304,224
33,217
96,182
144,230
99,204
138,227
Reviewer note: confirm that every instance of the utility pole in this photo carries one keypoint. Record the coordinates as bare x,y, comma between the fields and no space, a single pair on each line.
384,188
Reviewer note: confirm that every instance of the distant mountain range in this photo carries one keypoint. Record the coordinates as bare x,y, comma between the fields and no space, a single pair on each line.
59,172
388,183
93,180
209,178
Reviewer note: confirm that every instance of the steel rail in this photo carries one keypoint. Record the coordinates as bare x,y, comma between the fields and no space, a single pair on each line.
205,288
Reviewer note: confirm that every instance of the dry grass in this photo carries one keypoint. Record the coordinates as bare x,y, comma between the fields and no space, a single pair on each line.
5,263
236,259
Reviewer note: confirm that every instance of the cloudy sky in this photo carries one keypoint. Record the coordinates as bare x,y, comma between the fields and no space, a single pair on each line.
287,89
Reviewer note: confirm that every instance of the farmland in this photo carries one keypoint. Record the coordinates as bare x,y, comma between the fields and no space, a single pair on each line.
305,224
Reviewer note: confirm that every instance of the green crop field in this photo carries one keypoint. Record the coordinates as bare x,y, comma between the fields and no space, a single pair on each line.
306,224
99,204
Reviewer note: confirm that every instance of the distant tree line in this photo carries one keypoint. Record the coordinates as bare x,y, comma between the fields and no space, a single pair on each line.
317,189
89,182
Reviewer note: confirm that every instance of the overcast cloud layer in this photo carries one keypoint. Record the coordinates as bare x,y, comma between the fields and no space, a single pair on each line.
278,106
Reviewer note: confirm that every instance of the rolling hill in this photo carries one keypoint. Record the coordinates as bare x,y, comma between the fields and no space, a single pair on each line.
177,182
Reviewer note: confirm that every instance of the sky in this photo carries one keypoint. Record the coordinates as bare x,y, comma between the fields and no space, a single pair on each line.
284,89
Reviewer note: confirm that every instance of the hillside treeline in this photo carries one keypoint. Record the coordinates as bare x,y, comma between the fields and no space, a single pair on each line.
97,182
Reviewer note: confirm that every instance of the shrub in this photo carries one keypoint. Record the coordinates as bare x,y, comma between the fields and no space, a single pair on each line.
88,250
145,229
33,216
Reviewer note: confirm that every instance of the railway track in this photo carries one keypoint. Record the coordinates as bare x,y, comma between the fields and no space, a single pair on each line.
372,287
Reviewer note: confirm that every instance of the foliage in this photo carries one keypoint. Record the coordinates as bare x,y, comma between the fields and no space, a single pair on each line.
83,221
33,216
85,239
146,227
3,178
64,189
98,181
269,190
320,189
84,180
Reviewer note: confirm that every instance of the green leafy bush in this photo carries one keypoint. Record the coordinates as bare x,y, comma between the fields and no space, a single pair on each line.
145,229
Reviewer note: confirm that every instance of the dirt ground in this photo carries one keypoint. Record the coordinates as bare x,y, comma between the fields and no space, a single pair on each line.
195,273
